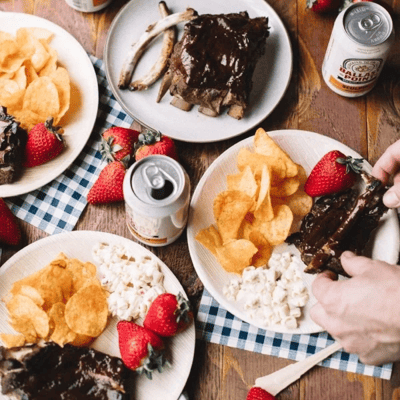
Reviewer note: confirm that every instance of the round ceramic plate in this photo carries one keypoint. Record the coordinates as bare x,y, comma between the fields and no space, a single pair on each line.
79,244
270,79
79,120
305,148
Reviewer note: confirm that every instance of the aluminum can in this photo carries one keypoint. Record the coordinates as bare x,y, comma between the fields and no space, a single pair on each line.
358,48
157,195
88,5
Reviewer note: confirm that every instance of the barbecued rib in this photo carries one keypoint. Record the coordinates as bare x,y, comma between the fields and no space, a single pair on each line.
339,222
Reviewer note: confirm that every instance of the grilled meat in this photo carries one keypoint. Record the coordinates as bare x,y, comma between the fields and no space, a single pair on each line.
213,64
339,222
54,372
12,142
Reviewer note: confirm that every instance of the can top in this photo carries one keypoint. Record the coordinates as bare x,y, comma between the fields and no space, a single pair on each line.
368,23
157,180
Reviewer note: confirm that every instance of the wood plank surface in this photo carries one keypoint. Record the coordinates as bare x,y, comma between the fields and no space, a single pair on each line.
367,124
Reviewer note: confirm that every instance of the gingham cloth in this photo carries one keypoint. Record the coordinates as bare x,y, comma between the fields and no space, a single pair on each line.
56,207
216,325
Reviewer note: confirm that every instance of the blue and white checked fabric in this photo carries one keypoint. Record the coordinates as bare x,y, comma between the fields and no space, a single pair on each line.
56,207
216,325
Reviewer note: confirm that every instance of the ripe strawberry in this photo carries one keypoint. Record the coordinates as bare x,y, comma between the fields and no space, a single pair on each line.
152,142
9,230
108,186
141,350
168,315
118,143
324,6
44,143
333,173
256,393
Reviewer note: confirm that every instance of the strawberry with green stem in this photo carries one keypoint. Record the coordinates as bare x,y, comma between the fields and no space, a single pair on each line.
152,142
334,173
168,315
141,349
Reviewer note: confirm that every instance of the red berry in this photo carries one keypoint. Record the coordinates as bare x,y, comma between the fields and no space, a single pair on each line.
168,315
108,187
324,6
151,143
256,393
333,173
9,230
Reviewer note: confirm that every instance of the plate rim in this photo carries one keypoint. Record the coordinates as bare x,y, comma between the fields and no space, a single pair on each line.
125,107
224,302
14,188
104,235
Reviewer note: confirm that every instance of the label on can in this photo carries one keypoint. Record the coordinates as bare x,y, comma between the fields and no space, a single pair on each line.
88,5
156,193
358,48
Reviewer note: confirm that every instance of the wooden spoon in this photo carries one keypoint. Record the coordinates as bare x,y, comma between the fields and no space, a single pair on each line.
279,380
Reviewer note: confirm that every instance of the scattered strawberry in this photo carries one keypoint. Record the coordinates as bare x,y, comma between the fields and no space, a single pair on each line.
168,315
108,186
118,143
9,230
256,393
44,143
152,142
141,350
333,173
324,6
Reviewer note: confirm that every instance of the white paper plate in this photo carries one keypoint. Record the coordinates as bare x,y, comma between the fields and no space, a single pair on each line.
79,120
78,244
305,148
271,77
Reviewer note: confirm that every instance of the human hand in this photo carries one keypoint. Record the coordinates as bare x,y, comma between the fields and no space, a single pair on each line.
389,165
363,312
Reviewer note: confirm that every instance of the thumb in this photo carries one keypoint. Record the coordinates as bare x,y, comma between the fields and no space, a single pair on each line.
391,198
354,265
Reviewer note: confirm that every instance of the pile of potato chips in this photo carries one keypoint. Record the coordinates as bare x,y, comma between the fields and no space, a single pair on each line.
63,302
259,209
33,86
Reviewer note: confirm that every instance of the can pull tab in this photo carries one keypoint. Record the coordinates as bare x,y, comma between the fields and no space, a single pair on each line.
370,22
155,178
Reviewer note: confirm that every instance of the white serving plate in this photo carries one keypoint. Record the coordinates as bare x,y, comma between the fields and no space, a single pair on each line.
305,148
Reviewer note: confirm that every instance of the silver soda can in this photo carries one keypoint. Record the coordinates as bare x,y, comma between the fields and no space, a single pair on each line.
88,5
157,194
359,45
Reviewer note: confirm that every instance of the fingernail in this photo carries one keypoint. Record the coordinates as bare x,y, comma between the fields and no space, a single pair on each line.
390,199
348,254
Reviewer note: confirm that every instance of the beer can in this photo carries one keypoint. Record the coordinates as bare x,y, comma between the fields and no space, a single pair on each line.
88,5
358,48
157,194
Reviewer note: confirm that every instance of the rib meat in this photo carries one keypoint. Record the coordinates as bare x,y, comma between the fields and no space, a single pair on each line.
339,222
52,372
213,64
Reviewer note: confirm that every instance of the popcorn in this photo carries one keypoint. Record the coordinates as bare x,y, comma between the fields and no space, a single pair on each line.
273,295
134,281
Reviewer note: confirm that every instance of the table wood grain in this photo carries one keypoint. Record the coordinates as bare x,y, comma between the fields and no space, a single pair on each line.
367,124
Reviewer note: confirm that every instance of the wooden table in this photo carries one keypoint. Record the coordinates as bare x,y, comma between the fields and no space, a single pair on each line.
367,124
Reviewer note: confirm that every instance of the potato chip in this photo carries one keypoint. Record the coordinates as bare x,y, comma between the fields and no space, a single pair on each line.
30,72
39,33
22,306
264,248
210,239
12,340
20,77
10,56
302,175
300,203
32,293
236,255
51,63
61,79
285,188
10,93
244,182
41,97
277,229
230,207
81,273
55,285
25,326
86,311
266,146
61,334
82,340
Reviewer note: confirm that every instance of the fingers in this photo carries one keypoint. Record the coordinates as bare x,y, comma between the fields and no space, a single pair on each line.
354,265
323,284
391,198
388,164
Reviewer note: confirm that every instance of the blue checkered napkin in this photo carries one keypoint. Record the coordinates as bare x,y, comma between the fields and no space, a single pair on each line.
57,206
216,325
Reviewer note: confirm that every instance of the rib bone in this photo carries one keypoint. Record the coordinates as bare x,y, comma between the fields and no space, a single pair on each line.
161,64
152,31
